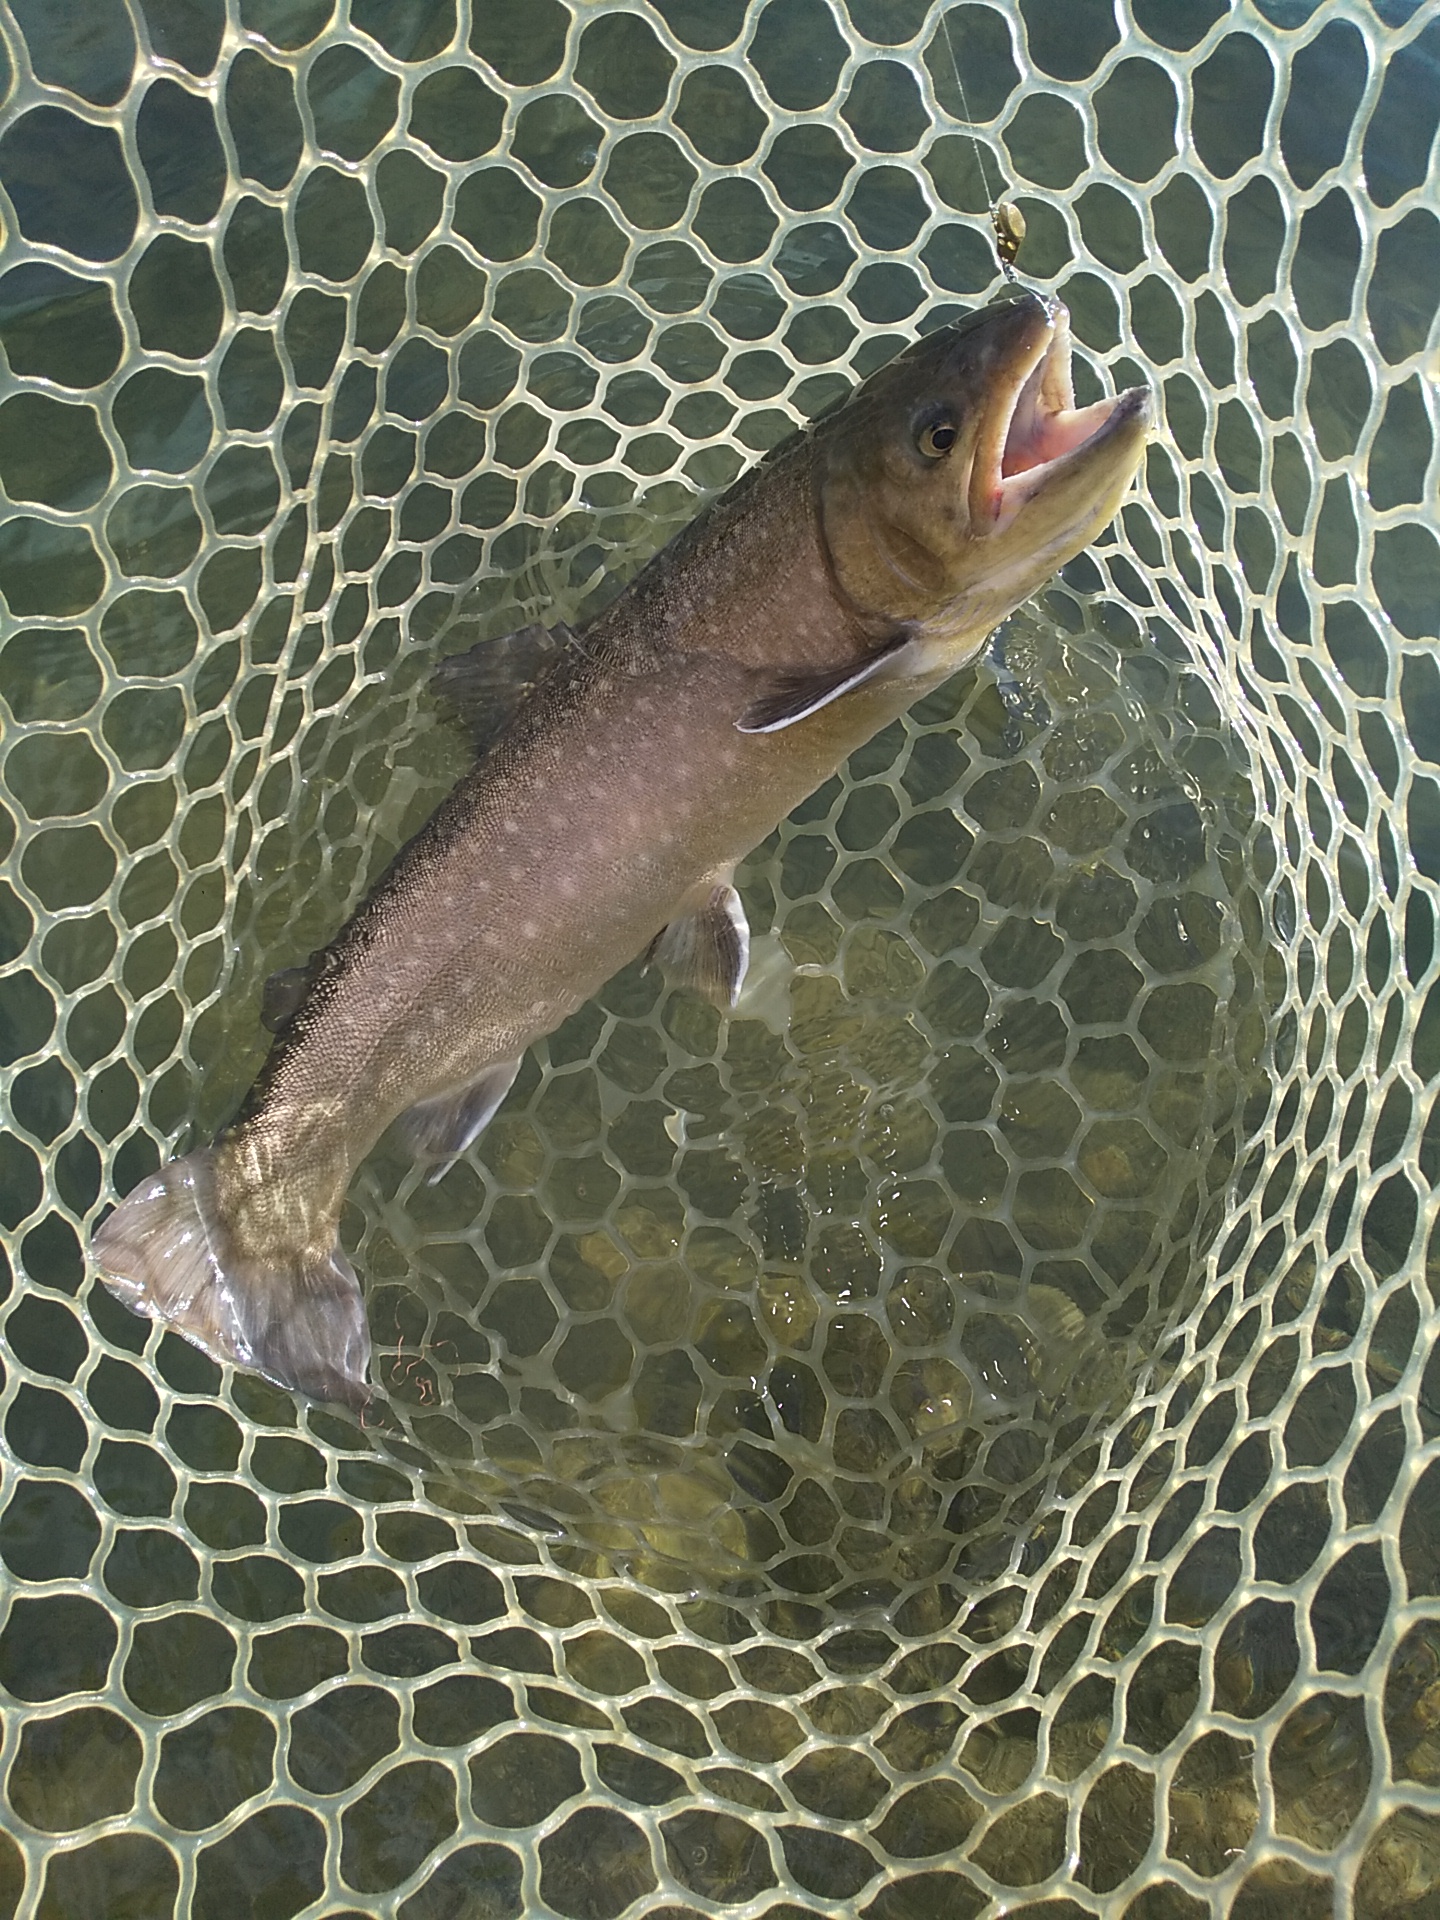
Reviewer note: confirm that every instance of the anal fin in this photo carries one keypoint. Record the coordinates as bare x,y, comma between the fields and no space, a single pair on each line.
708,946
442,1128
795,696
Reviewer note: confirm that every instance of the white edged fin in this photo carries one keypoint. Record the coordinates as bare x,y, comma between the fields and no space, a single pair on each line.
442,1128
296,1315
707,948
794,696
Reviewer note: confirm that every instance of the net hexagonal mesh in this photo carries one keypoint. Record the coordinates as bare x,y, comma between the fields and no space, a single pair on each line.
955,1438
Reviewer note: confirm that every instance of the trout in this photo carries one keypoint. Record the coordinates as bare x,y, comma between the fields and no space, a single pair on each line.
846,575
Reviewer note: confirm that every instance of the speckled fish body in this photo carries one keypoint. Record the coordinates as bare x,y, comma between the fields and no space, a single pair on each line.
853,570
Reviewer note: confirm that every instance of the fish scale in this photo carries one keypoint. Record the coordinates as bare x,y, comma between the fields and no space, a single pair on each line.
1147,1627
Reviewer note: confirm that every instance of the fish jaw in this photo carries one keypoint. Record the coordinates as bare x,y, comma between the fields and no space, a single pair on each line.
1036,437
952,544
1032,371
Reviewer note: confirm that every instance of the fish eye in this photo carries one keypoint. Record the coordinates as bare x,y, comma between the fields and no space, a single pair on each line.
937,439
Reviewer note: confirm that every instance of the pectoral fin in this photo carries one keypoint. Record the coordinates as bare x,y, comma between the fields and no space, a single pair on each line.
442,1128
486,685
708,947
794,696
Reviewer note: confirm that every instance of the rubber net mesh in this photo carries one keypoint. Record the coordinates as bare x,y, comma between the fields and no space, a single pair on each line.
956,1438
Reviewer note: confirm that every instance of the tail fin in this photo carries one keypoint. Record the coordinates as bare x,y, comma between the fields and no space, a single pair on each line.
166,1252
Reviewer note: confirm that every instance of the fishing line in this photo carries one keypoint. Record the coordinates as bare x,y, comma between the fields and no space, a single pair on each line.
1005,217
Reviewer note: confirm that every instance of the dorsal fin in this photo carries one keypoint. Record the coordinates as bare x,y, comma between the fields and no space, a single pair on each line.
486,685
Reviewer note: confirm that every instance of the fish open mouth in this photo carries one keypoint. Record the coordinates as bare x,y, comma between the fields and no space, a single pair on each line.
1034,427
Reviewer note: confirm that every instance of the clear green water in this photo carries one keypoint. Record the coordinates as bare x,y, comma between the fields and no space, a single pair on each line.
954,1434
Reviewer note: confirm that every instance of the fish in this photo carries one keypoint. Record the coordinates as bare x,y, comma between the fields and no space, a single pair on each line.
625,769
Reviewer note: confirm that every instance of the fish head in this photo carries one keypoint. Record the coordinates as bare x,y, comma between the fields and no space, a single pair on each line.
962,475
